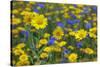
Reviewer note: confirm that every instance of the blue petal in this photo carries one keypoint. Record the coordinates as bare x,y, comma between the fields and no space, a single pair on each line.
60,24
51,41
26,33
36,10
79,44
41,5
88,26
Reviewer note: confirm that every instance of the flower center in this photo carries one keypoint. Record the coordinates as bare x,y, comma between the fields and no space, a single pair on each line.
58,33
39,23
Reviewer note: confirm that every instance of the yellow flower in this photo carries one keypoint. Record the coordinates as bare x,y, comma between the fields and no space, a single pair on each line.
78,11
73,57
62,43
43,41
38,45
43,55
20,28
66,15
27,9
80,34
72,33
17,51
39,22
47,49
15,21
71,7
22,63
92,35
57,49
23,57
70,47
15,31
15,11
28,16
19,63
89,51
20,45
46,35
57,19
93,30
58,33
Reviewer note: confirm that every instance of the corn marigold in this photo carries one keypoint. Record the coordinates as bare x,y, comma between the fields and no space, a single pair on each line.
58,33
73,57
16,21
89,51
43,55
43,41
39,22
61,44
28,16
80,34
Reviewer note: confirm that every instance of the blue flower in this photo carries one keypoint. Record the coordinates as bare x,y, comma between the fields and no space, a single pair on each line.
41,5
66,51
51,41
86,10
79,44
74,5
26,33
72,22
72,15
60,24
36,10
94,8
88,25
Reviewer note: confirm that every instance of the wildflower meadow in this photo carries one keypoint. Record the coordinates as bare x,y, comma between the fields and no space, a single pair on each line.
52,33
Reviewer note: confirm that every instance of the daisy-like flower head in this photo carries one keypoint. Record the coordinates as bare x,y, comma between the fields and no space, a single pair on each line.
39,22
80,34
89,51
23,57
73,57
43,41
43,55
28,16
58,33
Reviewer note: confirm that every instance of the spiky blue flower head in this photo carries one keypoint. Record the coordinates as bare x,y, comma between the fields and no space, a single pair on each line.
79,44
36,10
51,41
88,25
94,8
26,33
72,22
60,24
41,5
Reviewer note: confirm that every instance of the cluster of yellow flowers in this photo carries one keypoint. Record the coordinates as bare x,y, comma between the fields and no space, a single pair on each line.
36,20
79,35
23,57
